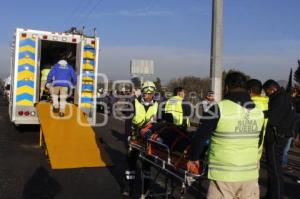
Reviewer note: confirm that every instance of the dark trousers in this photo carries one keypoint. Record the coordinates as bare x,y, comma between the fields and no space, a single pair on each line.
274,145
131,172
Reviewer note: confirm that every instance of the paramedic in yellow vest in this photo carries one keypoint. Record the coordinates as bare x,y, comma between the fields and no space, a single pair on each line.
179,108
44,74
144,113
233,127
254,87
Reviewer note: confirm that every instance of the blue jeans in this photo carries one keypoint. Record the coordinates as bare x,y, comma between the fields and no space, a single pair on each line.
285,152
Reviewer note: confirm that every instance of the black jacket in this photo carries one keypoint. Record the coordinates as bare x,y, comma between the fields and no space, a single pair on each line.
281,113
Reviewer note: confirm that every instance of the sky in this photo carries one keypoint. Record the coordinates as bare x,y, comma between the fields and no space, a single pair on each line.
261,38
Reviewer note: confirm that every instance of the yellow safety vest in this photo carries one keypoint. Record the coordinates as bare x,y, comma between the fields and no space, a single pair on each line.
142,117
45,73
261,102
234,144
174,106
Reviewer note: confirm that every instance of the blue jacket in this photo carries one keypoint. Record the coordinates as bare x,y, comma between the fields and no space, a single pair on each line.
62,74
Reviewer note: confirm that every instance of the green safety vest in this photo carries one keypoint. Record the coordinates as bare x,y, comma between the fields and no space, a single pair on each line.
45,73
142,117
232,156
261,102
174,106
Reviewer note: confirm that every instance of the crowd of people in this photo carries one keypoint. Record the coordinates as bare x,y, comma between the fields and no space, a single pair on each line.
252,120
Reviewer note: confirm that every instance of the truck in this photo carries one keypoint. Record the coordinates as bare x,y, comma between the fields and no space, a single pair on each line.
31,51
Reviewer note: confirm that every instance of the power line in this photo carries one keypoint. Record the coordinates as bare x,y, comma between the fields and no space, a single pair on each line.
77,12
81,12
72,13
90,11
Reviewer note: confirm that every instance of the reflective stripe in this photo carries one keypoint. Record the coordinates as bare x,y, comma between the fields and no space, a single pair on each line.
220,164
237,136
130,177
234,133
129,172
233,170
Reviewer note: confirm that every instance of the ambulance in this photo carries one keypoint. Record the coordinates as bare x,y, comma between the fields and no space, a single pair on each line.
32,50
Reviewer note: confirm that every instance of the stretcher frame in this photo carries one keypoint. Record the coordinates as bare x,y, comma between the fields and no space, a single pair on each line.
163,167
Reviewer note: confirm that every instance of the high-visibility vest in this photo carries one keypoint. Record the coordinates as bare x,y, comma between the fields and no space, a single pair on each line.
142,117
261,102
45,73
174,106
234,143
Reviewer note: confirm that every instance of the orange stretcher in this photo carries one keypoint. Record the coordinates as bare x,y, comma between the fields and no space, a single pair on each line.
168,157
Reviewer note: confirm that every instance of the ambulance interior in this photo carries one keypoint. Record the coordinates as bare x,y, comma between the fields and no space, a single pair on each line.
51,53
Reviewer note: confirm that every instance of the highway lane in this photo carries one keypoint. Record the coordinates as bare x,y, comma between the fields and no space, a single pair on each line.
25,172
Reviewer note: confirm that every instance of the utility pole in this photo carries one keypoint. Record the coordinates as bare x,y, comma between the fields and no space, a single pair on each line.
216,57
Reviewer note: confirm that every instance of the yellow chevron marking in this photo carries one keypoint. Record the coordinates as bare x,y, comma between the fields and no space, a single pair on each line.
87,79
88,67
87,82
25,102
88,55
26,74
85,105
27,48
25,89
26,61
89,95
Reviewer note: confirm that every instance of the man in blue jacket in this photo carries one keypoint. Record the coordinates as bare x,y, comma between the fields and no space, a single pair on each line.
63,77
